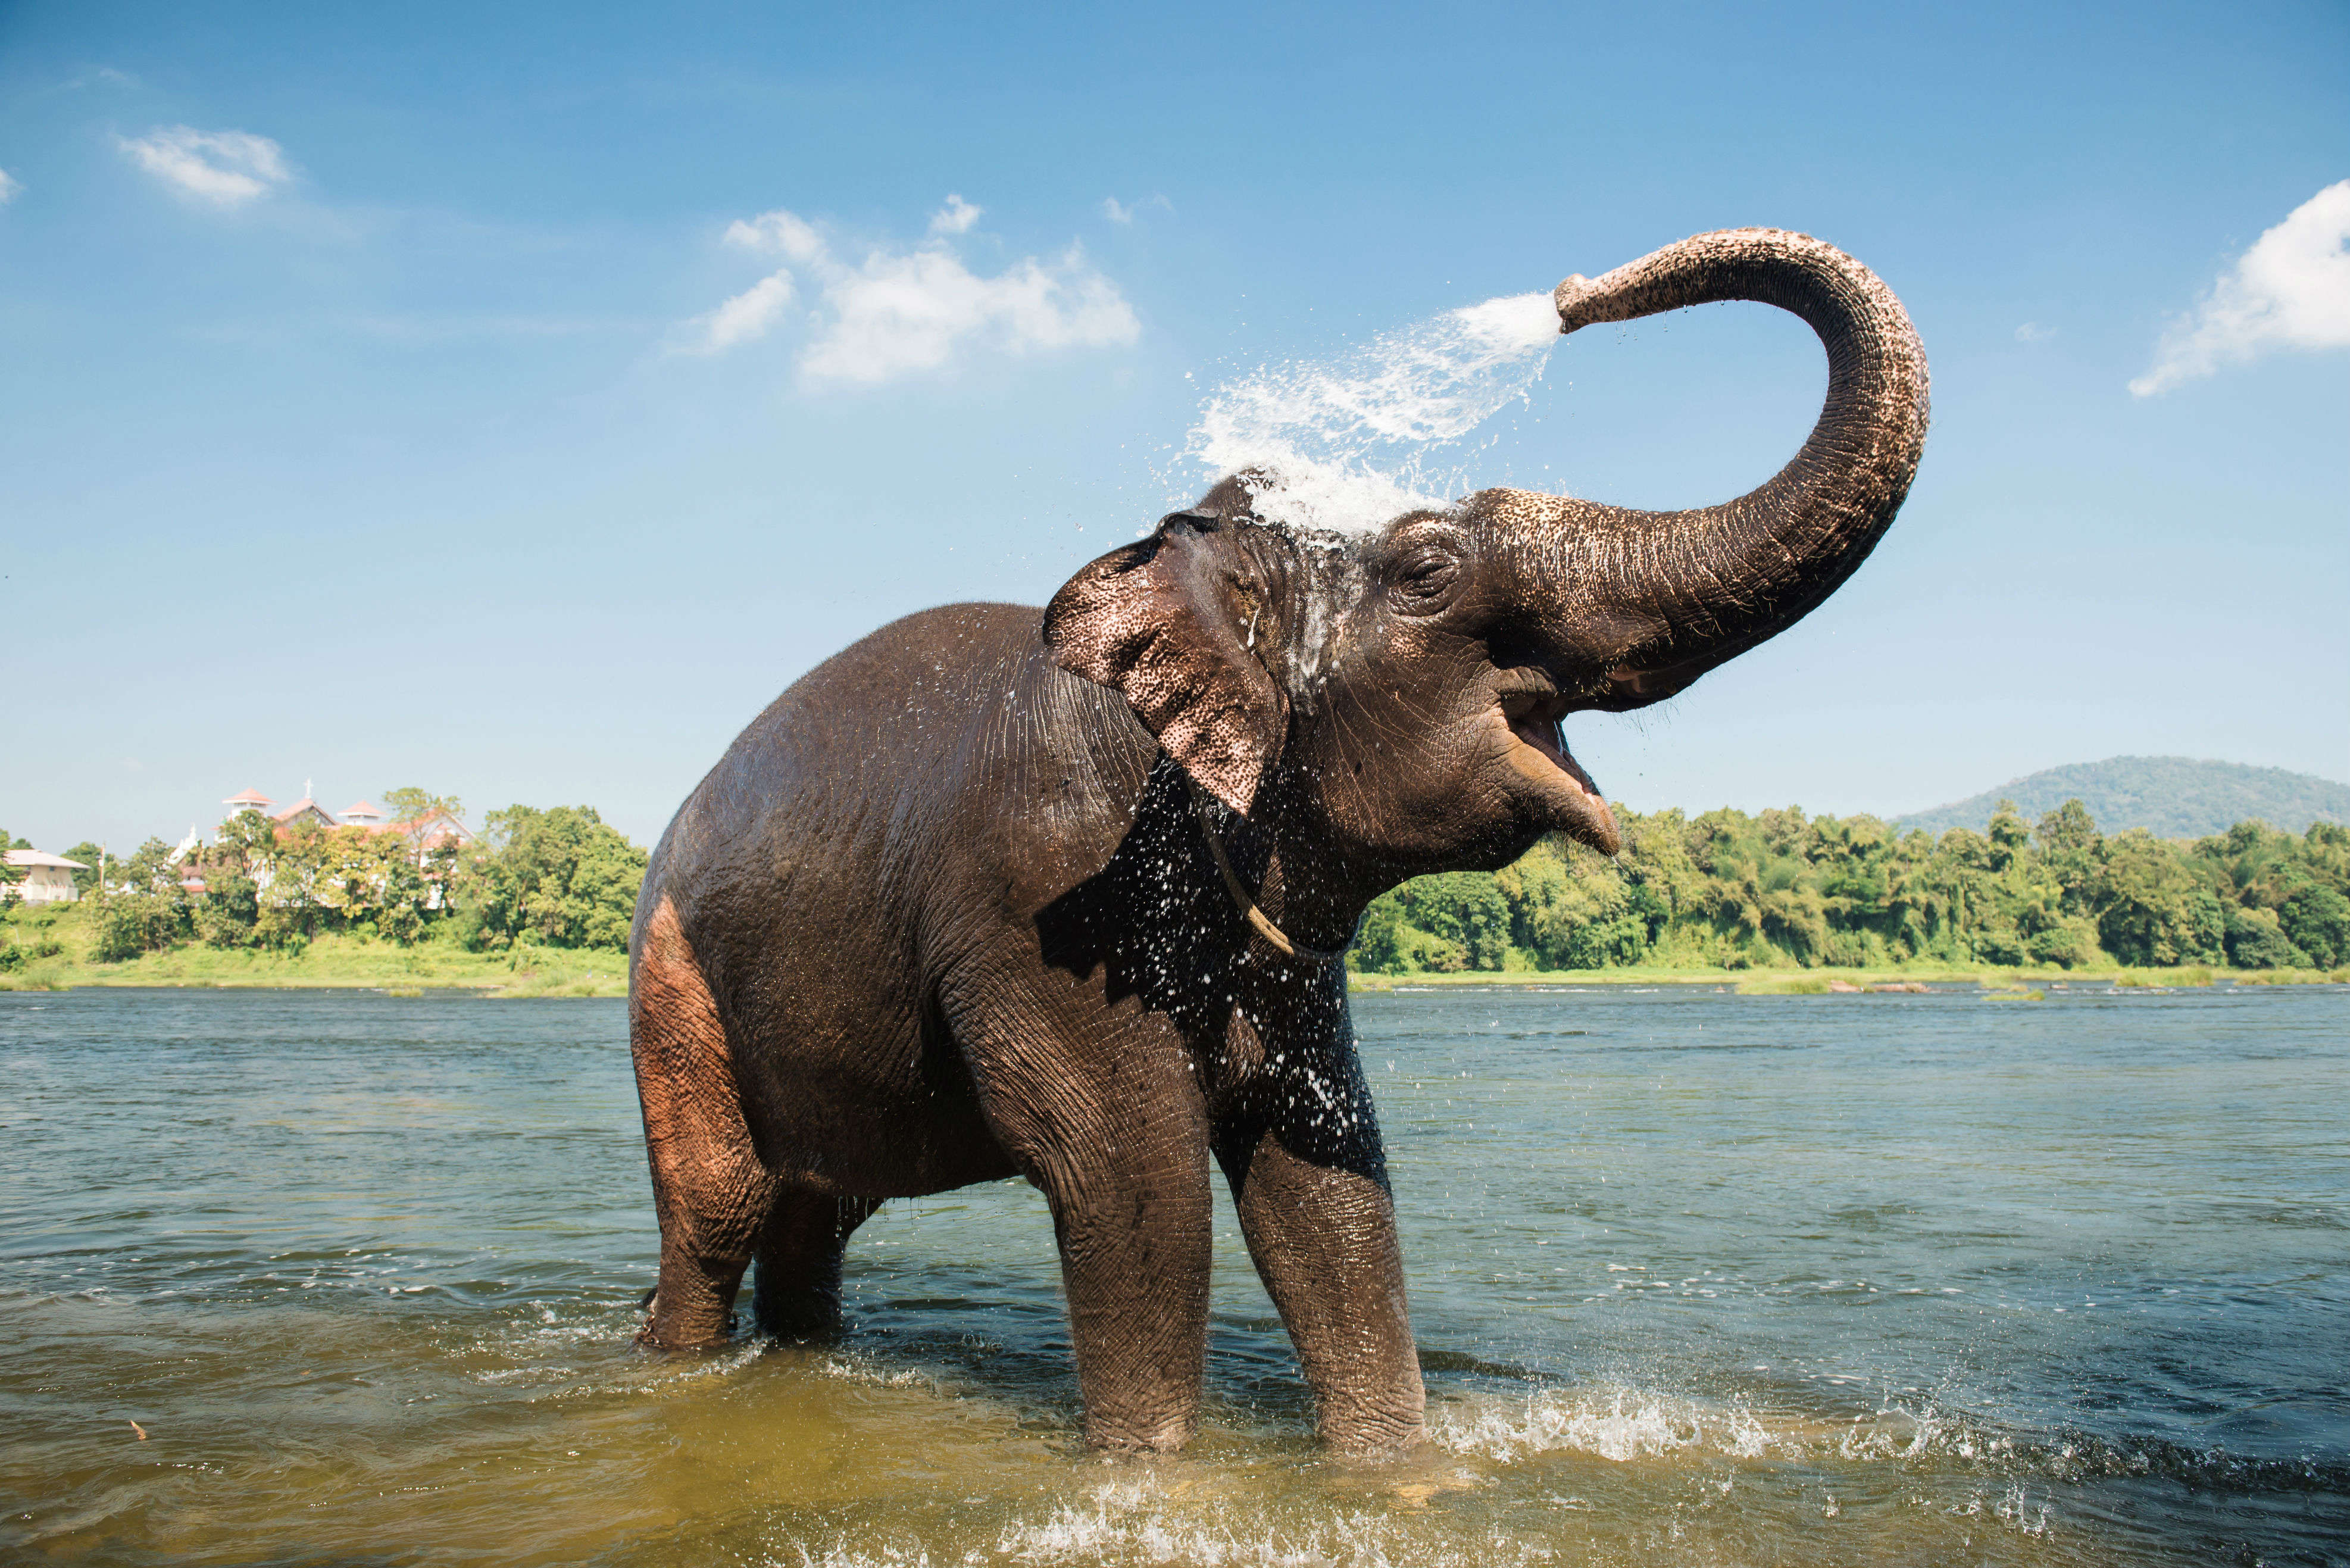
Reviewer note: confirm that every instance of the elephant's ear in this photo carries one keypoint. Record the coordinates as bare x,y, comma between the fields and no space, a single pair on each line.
1166,623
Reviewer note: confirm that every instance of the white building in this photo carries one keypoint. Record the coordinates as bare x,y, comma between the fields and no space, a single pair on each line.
48,878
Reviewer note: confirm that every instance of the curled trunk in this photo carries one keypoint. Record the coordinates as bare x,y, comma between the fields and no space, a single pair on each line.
1652,599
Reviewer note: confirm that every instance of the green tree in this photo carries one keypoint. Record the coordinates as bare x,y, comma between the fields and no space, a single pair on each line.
229,911
1379,943
94,861
2316,919
1463,909
410,803
2154,908
2008,833
151,868
248,840
314,878
2255,939
1573,909
416,811
557,877
134,920
2072,851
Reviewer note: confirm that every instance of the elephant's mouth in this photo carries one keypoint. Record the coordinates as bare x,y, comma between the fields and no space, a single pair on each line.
1530,710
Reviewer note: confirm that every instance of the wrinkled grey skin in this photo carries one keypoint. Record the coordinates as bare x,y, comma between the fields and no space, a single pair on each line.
946,911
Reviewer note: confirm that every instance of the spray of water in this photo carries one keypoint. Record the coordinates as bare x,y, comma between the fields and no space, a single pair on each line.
1349,442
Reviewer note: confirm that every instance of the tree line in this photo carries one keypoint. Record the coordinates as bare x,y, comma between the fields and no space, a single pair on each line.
1724,889
559,877
1780,889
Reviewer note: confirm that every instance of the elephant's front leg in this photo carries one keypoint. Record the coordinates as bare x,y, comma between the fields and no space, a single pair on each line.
1310,1186
1135,1221
1121,1149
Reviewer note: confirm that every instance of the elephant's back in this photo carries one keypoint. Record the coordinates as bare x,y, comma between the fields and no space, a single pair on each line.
850,820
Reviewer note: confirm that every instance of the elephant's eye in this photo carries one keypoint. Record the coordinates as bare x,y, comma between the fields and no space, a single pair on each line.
1424,580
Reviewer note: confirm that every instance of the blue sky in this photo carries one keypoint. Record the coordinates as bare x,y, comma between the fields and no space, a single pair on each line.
369,416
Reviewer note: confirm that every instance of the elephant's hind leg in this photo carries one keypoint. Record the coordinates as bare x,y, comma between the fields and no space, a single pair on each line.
711,1191
797,1293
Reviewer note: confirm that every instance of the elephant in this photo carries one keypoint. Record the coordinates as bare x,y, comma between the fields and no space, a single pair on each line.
1065,894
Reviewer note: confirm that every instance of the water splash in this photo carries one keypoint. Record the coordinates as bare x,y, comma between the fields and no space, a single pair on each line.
1148,1523
1623,1425
1350,442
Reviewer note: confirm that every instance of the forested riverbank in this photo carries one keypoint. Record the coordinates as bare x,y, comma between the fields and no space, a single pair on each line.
540,905
1781,890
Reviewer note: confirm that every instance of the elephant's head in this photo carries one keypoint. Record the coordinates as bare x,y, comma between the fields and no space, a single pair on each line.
1403,691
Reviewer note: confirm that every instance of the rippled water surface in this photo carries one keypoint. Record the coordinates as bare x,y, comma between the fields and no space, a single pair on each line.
1697,1278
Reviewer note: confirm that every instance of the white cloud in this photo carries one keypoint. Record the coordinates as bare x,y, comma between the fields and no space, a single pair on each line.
1118,212
956,217
2290,290
2033,332
9,186
745,316
898,312
905,313
227,168
782,232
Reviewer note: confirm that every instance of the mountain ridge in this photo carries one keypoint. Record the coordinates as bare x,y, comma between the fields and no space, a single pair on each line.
2171,797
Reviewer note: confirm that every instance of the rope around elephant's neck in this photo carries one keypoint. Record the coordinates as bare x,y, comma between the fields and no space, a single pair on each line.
1205,806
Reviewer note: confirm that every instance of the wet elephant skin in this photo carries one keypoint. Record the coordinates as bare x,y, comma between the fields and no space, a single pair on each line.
1069,996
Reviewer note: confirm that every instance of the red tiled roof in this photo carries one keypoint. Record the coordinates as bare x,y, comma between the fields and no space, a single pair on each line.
360,808
250,798
430,829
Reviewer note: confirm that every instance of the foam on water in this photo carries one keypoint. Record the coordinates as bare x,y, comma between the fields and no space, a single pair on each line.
1150,1523
1354,441
1621,1425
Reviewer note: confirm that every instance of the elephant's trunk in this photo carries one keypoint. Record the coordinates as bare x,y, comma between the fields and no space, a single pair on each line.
1651,600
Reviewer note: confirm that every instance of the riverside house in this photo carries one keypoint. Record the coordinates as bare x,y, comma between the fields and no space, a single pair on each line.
48,878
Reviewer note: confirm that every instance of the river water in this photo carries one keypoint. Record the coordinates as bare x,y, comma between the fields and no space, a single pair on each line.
1697,1278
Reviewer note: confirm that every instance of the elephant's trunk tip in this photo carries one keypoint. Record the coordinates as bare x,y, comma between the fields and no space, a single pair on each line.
1571,290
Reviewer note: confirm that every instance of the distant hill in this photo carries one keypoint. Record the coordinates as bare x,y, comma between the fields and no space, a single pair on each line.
2171,797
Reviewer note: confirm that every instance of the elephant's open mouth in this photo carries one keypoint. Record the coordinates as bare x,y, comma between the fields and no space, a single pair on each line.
1531,708
1534,721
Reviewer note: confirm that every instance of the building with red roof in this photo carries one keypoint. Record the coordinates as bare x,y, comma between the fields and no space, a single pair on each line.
433,830
301,811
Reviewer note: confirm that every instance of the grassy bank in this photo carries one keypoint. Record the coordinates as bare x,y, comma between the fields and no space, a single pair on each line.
1826,982
371,963
336,959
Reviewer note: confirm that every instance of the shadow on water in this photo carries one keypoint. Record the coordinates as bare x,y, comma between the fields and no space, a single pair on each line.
1697,1278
